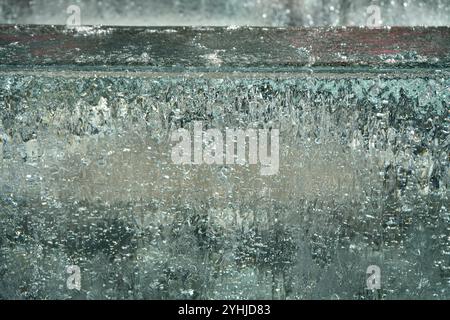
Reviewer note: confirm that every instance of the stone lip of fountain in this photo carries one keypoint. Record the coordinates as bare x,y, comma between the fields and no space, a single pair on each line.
223,49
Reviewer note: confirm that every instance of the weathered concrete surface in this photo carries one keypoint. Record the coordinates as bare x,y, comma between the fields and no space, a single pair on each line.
223,49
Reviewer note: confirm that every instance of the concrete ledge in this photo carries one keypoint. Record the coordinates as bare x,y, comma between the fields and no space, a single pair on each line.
223,48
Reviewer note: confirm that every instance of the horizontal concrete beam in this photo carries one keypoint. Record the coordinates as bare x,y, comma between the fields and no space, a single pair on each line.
222,48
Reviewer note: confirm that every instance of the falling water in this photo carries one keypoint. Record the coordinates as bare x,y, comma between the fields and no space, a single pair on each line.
87,179
275,13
